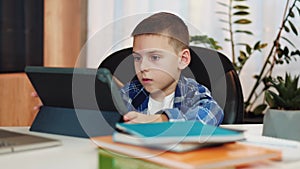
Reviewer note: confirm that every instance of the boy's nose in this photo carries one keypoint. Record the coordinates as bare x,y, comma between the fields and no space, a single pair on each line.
144,65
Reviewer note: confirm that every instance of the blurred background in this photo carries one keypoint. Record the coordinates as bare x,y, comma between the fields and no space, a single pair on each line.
81,33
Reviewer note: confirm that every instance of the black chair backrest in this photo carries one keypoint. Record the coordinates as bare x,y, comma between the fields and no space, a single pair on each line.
210,68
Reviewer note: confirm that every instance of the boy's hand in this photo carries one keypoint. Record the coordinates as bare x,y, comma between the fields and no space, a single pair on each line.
136,117
36,107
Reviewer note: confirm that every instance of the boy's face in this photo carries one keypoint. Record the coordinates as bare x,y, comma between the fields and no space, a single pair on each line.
156,63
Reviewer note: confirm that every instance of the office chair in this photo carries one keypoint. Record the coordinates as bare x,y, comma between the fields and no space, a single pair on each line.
208,67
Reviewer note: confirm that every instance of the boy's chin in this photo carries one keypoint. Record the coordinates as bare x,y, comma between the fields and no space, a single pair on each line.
150,90
155,91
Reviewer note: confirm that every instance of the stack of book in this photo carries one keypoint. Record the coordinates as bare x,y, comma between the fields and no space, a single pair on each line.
181,145
174,136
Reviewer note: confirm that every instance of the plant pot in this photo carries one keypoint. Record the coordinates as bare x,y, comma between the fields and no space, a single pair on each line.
251,118
282,124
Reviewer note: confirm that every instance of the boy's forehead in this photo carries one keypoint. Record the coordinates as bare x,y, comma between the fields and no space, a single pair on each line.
152,43
151,50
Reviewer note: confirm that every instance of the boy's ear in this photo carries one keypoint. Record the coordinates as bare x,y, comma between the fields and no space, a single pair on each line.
184,59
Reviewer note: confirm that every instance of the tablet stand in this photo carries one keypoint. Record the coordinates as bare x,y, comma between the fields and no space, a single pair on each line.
65,121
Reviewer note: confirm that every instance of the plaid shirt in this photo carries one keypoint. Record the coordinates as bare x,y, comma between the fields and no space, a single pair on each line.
192,101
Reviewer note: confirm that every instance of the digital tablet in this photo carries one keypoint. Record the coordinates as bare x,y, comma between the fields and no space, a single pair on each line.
70,88
73,97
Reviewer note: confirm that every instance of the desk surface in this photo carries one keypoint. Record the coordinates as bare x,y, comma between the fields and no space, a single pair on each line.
80,153
75,153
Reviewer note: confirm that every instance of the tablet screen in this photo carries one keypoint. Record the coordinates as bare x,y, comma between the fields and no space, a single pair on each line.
70,88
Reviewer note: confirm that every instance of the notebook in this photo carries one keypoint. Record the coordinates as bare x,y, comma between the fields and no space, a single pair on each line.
174,147
175,136
14,142
173,133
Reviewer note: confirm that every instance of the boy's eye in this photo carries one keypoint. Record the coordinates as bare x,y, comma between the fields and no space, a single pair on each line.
154,58
137,58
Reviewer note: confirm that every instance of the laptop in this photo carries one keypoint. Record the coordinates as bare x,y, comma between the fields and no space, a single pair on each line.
14,142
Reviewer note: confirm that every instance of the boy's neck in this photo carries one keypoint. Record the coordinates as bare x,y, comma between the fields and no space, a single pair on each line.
160,96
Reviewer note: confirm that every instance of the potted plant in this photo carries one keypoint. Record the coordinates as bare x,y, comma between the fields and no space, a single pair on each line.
234,15
283,116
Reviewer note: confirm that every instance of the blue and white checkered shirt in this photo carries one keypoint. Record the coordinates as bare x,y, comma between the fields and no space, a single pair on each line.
192,101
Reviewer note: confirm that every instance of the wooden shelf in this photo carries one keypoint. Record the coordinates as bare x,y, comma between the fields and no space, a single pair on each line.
65,26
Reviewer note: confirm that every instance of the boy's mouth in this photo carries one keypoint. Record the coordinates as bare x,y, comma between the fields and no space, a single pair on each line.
146,80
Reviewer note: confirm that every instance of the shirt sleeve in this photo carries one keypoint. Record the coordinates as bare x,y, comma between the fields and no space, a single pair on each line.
124,91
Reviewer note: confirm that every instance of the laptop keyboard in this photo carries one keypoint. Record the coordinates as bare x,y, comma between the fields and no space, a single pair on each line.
3,138
6,134
6,144
13,142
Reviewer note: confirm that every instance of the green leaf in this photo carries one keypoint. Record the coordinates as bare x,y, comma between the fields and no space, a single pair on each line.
259,109
286,51
286,39
291,83
237,68
291,14
256,46
214,44
286,28
269,99
243,31
263,45
297,98
243,55
222,13
293,28
248,49
287,59
279,53
267,82
279,102
242,21
296,52
240,59
256,76
222,20
279,61
241,44
242,7
225,29
227,39
222,4
241,13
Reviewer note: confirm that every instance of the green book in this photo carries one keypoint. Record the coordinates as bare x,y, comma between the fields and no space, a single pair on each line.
113,160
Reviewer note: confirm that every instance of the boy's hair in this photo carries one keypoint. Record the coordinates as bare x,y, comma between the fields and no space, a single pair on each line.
165,24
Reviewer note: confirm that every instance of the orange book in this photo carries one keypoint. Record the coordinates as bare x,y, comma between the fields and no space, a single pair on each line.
229,154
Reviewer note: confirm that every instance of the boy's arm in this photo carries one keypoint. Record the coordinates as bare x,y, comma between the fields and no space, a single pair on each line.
197,105
137,117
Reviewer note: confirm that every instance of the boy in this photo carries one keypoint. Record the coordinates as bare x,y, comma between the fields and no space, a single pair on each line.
160,93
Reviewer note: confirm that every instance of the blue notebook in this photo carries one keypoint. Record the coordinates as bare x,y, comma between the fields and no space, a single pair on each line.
165,133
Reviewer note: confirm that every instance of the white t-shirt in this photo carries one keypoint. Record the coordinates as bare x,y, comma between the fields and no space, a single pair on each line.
155,106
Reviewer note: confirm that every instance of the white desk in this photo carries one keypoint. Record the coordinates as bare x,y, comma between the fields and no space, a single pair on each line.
80,153
75,153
